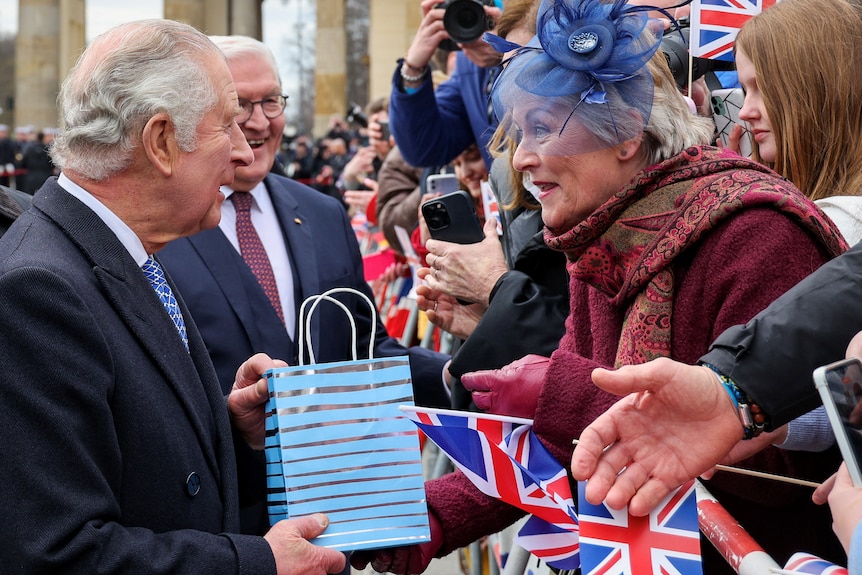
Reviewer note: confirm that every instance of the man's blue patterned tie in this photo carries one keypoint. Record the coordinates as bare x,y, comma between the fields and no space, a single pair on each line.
156,275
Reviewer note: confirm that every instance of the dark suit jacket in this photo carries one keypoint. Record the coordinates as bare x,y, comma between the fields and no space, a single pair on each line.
237,320
117,449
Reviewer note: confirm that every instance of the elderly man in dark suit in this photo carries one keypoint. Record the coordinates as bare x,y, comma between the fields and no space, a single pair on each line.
119,448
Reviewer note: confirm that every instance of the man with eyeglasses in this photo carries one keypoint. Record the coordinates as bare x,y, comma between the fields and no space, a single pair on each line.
310,247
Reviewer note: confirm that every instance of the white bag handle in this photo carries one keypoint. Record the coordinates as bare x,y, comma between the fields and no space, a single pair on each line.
305,322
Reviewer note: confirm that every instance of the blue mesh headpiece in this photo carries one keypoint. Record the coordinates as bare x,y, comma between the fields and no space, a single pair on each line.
581,84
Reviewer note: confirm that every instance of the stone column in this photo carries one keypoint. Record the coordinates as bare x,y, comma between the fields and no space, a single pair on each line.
330,81
37,70
217,17
73,33
393,25
245,18
209,16
190,12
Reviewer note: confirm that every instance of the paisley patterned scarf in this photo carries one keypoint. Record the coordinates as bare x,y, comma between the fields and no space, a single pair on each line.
625,248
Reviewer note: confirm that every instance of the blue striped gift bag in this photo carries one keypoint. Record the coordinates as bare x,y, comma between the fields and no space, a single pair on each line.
337,443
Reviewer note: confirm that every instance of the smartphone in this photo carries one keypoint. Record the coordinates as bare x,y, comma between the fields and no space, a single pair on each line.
441,184
452,218
384,127
840,388
726,104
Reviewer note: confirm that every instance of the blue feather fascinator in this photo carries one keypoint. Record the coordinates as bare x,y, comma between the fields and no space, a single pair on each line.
581,84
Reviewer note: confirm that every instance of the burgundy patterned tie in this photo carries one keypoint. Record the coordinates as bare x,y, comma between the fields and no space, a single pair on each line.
252,250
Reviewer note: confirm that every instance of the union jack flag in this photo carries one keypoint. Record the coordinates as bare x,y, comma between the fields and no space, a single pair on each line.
714,24
807,563
504,459
666,542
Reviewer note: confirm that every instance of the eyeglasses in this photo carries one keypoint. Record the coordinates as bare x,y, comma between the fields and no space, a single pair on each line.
272,107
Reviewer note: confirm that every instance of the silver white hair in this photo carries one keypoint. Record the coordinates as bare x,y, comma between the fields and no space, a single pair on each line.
672,126
238,46
125,77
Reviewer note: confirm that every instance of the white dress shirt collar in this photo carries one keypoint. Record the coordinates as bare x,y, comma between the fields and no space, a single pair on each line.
124,233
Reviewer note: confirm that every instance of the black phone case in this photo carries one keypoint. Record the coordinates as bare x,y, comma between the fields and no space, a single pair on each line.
452,218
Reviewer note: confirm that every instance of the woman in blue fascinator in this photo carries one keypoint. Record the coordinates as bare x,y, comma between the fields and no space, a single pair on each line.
668,241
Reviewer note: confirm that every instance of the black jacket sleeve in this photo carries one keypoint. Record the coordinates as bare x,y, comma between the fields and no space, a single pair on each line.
528,318
773,356
525,316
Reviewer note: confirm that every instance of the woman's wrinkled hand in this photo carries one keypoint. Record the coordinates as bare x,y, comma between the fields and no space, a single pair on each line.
444,311
467,271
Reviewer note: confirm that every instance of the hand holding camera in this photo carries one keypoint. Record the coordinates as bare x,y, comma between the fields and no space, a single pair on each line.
464,21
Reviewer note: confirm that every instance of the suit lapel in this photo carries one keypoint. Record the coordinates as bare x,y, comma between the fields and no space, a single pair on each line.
232,275
243,293
135,302
300,245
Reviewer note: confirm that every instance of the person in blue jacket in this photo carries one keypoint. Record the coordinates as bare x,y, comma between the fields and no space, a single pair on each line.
432,127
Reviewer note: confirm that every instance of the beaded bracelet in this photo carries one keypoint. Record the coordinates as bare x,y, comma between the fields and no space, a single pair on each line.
751,416
412,79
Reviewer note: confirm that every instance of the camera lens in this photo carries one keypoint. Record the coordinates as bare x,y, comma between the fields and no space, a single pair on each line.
674,45
465,20
437,216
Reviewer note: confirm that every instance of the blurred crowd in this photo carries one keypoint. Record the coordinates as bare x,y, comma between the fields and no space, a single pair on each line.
25,162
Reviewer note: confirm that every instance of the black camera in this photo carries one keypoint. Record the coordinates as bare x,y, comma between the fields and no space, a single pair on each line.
465,21
355,115
674,45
